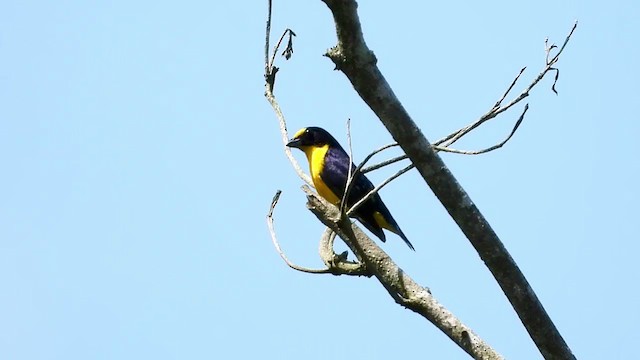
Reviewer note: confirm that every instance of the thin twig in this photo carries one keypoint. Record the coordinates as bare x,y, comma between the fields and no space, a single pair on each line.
277,47
359,170
566,41
493,112
384,163
350,176
436,148
285,137
455,136
491,148
506,93
267,68
496,110
378,188
274,239
548,49
336,264
375,152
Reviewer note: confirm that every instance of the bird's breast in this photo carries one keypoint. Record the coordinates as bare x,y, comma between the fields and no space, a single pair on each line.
316,157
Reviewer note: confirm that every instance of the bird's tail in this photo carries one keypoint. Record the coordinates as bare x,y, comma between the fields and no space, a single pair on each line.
403,237
390,224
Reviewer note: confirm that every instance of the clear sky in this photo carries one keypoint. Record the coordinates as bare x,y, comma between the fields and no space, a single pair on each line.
139,158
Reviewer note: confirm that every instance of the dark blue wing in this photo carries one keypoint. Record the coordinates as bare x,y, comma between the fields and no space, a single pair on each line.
335,174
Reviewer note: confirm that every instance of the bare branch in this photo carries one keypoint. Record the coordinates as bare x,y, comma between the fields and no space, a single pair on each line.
497,109
377,188
459,133
288,50
456,135
377,166
336,264
491,148
454,151
564,44
385,163
506,93
267,66
285,137
350,176
375,152
269,69
438,148
400,286
274,239
411,166
350,179
547,49
358,171
270,72
352,56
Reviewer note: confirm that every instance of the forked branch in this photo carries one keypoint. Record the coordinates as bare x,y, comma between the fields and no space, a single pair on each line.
445,143
497,109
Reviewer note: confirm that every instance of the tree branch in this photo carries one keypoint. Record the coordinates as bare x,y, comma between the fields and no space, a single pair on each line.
352,56
497,109
336,264
359,171
400,286
378,188
270,72
490,148
350,173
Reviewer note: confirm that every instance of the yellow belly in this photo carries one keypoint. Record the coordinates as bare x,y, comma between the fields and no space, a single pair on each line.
315,156
324,191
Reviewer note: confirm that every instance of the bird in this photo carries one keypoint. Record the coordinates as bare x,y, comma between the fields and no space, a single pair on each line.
329,168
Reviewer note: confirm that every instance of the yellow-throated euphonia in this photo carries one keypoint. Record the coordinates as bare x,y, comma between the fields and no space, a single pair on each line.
329,167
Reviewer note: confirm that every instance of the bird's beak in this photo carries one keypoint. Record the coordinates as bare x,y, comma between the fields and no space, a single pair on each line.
294,143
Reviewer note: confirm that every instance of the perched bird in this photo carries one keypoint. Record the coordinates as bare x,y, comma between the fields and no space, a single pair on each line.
329,167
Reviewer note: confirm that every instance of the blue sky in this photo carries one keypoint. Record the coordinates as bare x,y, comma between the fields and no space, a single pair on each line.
139,159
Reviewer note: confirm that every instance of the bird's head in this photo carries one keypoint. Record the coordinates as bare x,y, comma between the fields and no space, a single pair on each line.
311,137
